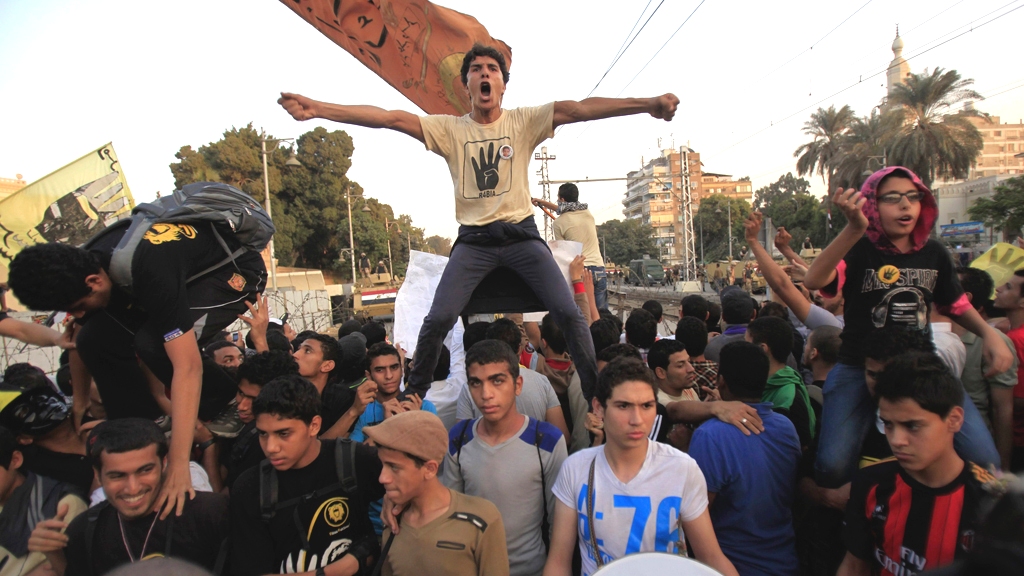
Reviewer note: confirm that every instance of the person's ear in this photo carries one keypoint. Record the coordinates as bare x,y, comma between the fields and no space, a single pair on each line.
706,316
16,460
94,281
327,366
314,426
814,354
955,419
660,373
519,384
596,407
765,348
430,469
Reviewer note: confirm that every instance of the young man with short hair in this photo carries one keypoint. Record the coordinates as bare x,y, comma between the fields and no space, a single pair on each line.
920,510
34,510
693,333
785,389
751,479
537,399
130,456
318,358
737,312
384,369
641,330
821,352
225,354
673,372
631,494
694,305
325,497
576,223
243,452
506,457
488,153
1010,298
440,532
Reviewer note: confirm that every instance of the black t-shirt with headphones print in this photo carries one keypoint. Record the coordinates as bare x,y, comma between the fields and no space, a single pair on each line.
881,289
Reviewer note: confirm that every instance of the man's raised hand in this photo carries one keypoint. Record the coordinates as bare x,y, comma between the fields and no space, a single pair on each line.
664,107
752,226
782,238
48,535
300,107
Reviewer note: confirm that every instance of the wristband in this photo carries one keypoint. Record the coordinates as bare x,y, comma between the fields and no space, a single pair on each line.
578,287
204,445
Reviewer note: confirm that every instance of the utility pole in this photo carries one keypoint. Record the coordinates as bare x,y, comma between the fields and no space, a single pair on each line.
387,228
545,183
686,198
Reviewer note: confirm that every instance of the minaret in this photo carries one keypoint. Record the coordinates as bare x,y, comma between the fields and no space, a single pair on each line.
899,69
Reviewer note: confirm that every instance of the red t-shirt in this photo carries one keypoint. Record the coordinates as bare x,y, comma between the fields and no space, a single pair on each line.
1017,336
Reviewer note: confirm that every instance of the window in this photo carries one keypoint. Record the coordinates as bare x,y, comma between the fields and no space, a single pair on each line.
999,133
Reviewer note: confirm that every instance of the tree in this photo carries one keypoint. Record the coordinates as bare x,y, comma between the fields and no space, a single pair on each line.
439,245
713,218
827,128
863,147
932,141
1005,210
627,240
308,202
788,203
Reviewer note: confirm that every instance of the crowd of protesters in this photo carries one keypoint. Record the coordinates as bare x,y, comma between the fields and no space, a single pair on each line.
865,420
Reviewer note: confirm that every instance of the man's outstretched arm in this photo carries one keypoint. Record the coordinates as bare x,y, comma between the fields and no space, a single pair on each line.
302,108
569,111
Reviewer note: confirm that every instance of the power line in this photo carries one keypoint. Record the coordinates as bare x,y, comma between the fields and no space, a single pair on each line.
623,50
806,50
662,47
868,77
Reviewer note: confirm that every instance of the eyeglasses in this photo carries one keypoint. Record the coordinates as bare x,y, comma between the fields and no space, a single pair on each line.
897,197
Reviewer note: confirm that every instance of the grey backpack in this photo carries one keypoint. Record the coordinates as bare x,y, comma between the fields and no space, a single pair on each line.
226,209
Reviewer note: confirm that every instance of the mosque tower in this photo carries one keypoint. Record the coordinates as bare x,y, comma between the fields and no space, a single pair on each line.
899,69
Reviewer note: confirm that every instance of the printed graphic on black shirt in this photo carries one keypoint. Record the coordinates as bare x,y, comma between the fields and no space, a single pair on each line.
488,168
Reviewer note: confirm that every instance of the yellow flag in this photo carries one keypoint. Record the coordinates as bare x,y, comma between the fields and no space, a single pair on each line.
68,205
1000,262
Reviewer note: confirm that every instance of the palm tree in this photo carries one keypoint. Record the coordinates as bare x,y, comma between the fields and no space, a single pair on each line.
866,140
934,141
819,155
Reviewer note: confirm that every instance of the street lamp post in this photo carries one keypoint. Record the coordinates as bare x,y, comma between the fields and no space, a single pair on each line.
351,241
391,264
292,161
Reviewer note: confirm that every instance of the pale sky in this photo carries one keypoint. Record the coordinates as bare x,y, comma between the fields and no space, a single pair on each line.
152,77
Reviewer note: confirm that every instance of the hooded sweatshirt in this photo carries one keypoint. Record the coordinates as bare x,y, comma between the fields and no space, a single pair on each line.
883,286
786,391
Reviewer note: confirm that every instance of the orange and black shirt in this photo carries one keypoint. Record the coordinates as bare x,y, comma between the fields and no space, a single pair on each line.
902,527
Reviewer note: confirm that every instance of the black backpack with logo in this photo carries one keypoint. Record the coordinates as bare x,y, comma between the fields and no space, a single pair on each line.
226,209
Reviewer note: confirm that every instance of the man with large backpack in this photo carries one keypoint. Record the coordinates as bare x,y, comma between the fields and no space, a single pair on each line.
148,292
304,508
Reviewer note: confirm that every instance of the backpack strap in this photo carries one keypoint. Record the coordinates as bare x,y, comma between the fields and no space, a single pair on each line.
230,258
461,442
345,463
268,491
169,539
92,516
545,525
120,269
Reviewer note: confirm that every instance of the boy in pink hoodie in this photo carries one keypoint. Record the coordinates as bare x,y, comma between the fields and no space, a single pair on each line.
889,272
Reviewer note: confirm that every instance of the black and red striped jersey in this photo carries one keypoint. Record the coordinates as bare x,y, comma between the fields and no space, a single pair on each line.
903,527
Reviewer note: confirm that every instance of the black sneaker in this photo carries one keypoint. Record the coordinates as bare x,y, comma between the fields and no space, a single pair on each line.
227,424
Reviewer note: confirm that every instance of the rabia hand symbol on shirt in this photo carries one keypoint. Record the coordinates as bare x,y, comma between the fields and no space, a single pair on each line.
487,169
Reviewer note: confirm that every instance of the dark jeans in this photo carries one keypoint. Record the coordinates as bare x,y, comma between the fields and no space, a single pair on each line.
467,266
112,350
600,287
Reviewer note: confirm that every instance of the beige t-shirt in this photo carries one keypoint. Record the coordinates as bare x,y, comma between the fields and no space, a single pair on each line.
579,226
688,394
490,163
469,538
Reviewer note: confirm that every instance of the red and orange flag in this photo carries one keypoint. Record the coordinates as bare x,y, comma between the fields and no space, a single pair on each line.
414,45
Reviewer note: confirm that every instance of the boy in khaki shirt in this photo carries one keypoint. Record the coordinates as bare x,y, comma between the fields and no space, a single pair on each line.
440,531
